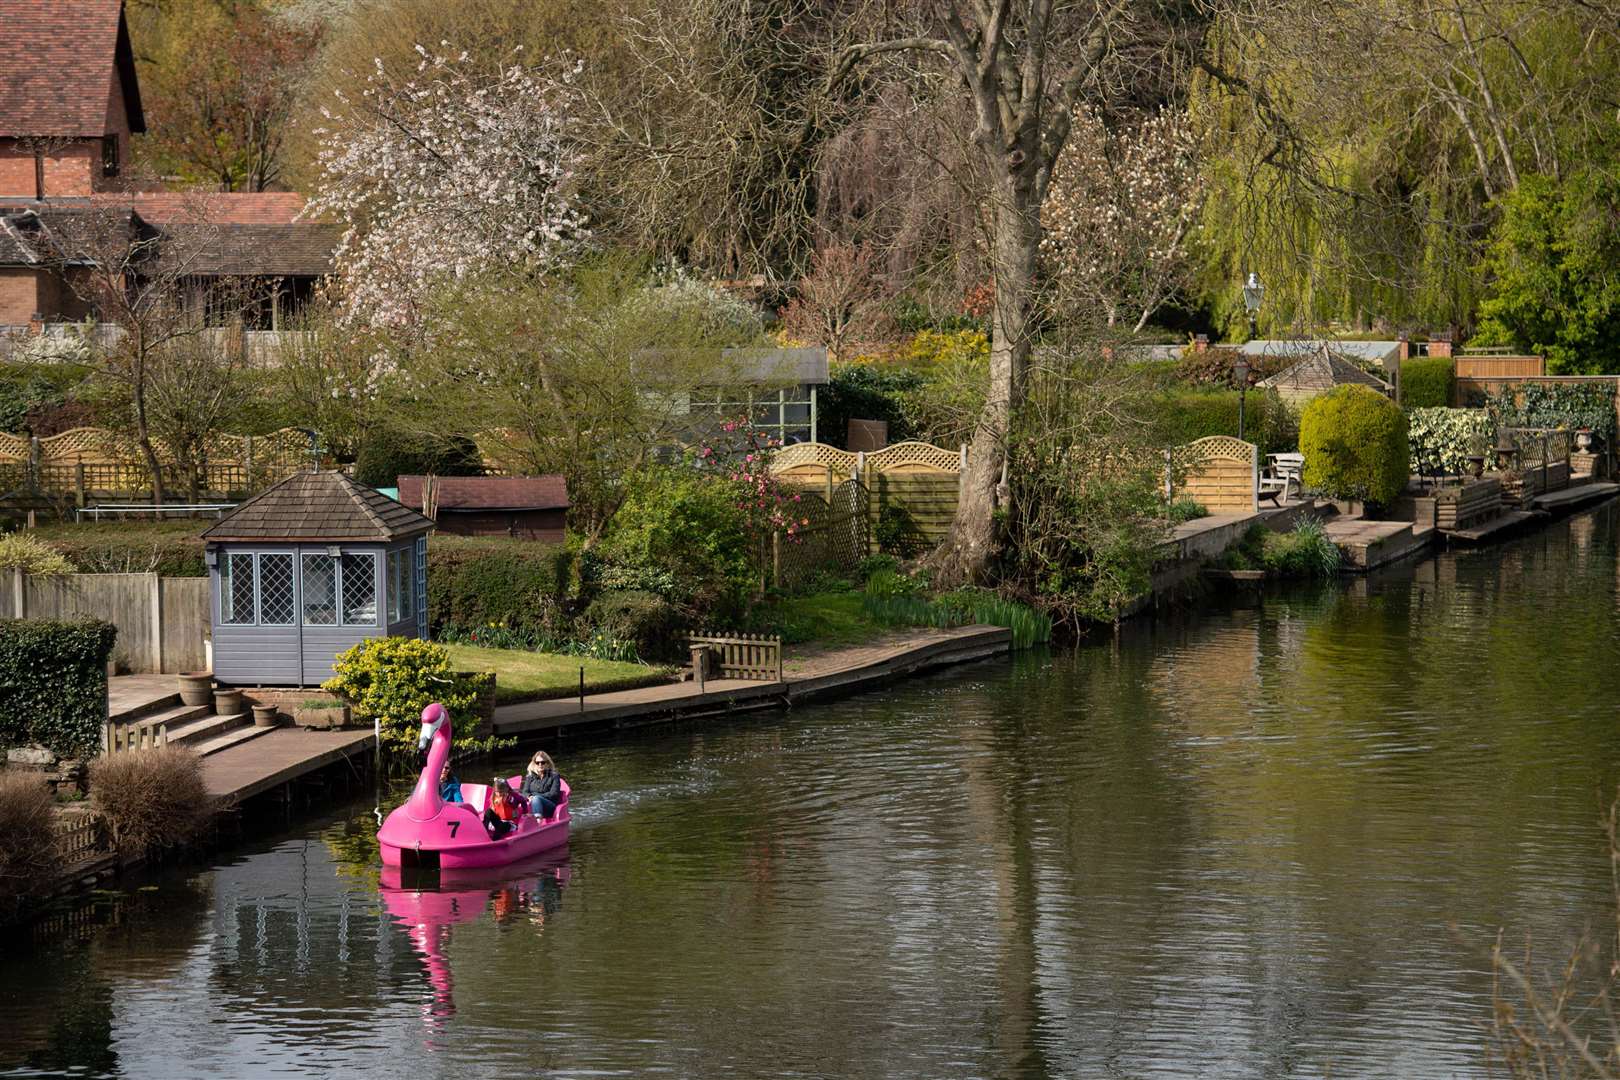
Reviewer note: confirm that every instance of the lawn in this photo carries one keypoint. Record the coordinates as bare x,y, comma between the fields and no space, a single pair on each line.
531,676
833,618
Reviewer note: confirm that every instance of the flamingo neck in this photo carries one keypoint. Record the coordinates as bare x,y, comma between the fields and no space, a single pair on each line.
424,803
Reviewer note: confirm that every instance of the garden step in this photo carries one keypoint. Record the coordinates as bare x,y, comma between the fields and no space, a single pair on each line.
247,731
205,726
173,716
235,737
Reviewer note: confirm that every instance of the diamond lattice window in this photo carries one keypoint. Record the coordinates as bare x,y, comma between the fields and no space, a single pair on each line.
359,589
276,590
236,590
320,590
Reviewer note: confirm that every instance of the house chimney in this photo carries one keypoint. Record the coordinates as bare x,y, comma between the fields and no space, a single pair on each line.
1403,351
1440,343
1200,342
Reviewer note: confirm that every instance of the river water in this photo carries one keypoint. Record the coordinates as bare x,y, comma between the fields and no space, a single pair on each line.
1271,839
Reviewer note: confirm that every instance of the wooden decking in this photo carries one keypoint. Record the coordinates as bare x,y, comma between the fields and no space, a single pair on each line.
818,674
282,755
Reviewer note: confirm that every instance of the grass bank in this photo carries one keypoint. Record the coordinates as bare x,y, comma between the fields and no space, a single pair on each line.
533,676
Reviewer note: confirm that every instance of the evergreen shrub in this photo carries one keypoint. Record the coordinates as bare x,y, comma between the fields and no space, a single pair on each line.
1442,440
1428,382
53,683
33,556
1184,416
1355,446
687,525
386,455
391,680
170,548
520,584
629,624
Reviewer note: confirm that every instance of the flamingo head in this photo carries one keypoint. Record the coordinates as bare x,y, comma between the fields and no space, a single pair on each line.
434,717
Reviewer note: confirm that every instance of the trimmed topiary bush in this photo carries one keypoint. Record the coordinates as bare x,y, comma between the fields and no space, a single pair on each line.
1428,382
520,584
28,861
53,683
1354,442
151,800
391,680
1183,416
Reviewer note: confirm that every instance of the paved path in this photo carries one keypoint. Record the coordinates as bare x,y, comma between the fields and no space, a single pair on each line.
818,672
139,693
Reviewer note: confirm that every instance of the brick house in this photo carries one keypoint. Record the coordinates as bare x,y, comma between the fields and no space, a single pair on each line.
69,104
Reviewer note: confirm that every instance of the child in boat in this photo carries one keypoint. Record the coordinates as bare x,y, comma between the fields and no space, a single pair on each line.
449,786
541,785
504,809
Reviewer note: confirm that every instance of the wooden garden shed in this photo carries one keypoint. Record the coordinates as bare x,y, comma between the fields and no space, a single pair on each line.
308,568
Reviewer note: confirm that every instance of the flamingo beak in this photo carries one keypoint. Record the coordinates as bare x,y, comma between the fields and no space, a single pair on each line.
425,738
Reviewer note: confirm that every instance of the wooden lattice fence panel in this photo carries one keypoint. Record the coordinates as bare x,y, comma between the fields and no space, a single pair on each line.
1219,472
834,542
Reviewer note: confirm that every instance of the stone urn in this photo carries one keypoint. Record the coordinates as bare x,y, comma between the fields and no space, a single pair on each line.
196,687
1583,440
265,716
227,702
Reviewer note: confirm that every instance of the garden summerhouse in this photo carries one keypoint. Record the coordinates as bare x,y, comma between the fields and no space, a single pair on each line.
306,569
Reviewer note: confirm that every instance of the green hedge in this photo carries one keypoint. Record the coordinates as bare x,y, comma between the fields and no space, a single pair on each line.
387,455
53,683
520,584
1355,446
169,548
1183,416
1428,382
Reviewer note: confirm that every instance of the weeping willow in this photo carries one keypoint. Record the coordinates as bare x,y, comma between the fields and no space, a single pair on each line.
1363,147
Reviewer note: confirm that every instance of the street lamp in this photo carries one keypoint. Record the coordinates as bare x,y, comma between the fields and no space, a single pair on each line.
1253,294
1240,372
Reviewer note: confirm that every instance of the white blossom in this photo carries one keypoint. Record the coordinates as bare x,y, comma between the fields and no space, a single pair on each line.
1119,212
454,170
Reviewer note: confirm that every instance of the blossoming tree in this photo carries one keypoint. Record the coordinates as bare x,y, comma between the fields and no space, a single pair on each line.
451,171
1119,214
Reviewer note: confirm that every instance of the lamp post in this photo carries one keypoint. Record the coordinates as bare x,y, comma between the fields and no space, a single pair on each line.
1240,372
1253,294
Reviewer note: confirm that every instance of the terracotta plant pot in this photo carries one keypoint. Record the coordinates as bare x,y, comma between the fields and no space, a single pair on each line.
265,716
227,702
196,687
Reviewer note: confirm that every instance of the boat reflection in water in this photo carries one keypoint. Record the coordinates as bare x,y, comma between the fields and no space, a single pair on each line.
427,903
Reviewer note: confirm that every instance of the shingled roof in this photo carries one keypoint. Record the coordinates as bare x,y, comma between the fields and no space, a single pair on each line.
489,492
57,67
1323,370
319,507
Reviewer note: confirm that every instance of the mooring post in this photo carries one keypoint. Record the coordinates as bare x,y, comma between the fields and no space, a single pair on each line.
582,688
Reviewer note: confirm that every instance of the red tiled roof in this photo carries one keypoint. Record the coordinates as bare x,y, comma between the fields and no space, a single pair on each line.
57,65
213,207
489,492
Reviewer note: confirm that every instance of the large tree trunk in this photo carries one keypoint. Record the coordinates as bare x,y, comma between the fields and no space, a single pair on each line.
967,551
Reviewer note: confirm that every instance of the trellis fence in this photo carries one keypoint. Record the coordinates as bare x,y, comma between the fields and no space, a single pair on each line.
87,464
1220,473
908,491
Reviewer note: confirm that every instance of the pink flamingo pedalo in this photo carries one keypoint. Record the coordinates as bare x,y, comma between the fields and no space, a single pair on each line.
429,832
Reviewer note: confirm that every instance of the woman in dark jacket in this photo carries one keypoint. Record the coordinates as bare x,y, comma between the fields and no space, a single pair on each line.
541,785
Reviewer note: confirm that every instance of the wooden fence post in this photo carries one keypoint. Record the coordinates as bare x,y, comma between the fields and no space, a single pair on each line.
78,483
155,592
829,484
776,558
19,593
